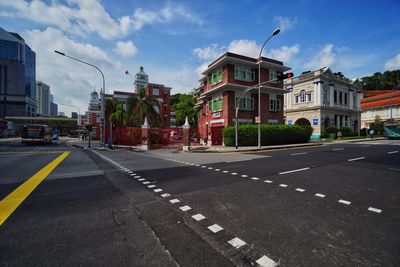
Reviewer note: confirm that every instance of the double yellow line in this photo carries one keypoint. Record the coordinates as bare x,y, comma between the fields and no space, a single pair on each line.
11,202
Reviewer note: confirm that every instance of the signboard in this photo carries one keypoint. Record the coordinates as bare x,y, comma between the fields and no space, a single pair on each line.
216,115
315,121
257,119
289,122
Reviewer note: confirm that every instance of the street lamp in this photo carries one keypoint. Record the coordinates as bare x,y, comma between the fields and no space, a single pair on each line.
103,91
275,32
79,112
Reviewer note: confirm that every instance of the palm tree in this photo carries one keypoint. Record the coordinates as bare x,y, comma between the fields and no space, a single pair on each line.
119,117
147,105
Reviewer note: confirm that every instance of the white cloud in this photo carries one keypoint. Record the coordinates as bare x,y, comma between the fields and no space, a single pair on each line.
244,47
89,16
324,58
210,52
285,53
285,23
71,82
393,63
125,48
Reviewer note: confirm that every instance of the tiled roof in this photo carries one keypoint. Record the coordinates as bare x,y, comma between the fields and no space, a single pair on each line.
382,100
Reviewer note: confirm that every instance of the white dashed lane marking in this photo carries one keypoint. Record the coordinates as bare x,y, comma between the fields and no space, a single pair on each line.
185,208
264,261
173,201
244,175
234,173
344,201
255,178
198,217
210,168
165,195
141,179
283,185
151,186
237,242
300,153
374,210
217,170
215,228
300,190
297,170
393,152
337,149
146,182
225,171
268,181
319,195
360,158
157,190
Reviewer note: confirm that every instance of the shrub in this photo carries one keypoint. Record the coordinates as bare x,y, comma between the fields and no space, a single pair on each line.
270,134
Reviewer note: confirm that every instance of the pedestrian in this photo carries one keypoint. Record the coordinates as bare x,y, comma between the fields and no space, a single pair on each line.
371,133
339,135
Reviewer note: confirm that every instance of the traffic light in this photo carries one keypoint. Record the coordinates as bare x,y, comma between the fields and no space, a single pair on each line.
89,128
282,76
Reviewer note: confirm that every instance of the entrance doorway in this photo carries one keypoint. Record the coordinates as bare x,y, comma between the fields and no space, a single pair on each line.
216,136
303,121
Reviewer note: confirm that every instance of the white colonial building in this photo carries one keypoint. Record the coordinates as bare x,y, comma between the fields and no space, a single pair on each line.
322,99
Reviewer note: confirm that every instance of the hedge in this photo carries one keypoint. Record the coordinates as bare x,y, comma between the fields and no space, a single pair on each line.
270,134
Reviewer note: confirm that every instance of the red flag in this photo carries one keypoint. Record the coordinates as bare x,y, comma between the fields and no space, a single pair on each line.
126,72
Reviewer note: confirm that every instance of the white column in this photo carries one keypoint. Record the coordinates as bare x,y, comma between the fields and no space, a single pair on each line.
351,99
316,85
321,94
289,99
331,93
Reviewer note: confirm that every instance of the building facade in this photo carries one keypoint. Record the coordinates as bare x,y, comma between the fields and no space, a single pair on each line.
43,98
17,76
323,99
385,104
222,83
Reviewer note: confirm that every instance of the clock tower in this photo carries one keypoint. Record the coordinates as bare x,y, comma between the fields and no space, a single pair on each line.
141,79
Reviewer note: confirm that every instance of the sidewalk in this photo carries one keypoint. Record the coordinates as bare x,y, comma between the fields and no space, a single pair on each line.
224,149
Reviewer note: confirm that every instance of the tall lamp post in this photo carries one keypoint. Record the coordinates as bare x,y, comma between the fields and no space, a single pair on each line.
275,32
79,112
103,91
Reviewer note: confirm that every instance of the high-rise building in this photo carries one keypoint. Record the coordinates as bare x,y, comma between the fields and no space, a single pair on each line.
53,106
43,98
17,76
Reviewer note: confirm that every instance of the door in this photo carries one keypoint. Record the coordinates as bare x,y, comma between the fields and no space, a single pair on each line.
216,136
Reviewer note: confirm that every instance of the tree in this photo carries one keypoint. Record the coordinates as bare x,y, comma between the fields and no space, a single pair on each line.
379,81
119,117
185,107
148,107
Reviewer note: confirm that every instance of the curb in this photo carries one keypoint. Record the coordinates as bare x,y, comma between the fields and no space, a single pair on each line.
256,149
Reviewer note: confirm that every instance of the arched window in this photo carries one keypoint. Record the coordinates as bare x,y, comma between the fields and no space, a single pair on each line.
303,96
345,98
340,97
335,96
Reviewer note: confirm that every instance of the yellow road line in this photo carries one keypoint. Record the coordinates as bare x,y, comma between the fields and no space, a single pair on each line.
11,202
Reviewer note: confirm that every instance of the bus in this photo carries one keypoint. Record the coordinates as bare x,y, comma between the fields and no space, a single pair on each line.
36,134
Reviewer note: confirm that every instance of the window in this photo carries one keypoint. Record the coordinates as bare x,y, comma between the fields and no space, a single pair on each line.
335,96
340,97
217,104
325,92
302,96
246,103
216,76
354,101
309,97
296,98
274,103
345,98
272,75
244,74
156,91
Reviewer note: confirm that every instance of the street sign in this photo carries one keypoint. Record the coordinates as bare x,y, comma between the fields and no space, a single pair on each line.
257,119
315,121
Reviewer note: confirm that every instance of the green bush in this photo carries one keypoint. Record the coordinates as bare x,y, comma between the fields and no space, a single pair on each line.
270,134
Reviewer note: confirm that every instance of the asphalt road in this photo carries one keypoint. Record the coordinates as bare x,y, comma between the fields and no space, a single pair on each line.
334,205
325,206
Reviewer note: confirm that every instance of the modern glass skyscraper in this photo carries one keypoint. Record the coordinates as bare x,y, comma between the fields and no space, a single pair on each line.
17,76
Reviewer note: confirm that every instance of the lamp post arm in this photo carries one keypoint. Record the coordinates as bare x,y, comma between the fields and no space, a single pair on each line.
262,47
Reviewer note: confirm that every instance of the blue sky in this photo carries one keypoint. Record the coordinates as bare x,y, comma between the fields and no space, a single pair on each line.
175,40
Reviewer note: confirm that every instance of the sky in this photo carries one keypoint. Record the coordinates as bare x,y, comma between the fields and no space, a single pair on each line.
175,40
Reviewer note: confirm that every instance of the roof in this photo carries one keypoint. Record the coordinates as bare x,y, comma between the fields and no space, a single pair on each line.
381,100
232,57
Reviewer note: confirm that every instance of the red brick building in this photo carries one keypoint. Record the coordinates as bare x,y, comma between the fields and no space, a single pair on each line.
224,80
